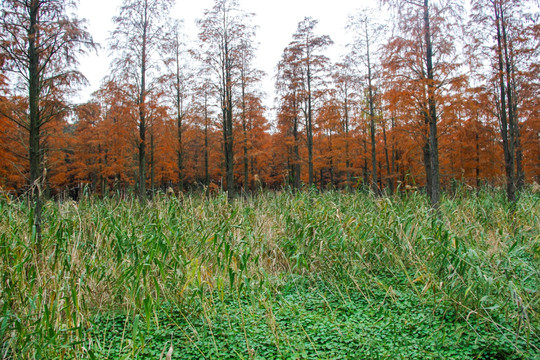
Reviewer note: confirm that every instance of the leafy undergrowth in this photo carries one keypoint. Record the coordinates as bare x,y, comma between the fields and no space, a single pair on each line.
276,275
308,322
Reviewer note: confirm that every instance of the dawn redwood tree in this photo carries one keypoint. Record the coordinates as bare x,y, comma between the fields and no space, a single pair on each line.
424,47
330,132
178,86
307,48
472,149
40,44
259,140
89,149
289,88
12,162
224,31
345,80
366,50
529,108
137,44
510,51
156,116
202,98
249,77
119,116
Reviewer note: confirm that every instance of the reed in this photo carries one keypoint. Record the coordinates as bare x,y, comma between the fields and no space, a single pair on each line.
184,262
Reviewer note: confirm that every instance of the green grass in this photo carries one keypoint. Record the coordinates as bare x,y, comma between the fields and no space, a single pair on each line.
279,275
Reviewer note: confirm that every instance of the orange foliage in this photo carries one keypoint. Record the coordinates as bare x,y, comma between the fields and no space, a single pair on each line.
98,146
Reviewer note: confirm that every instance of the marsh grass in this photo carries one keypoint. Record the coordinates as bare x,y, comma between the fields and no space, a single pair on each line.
120,279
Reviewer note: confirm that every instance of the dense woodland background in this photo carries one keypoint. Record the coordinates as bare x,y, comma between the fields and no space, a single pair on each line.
443,90
438,94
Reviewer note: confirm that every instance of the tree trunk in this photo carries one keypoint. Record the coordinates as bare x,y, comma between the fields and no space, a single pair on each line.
245,133
513,120
432,115
309,128
331,161
371,101
252,158
347,153
206,172
387,157
427,167
141,103
365,167
477,172
179,117
394,167
252,170
180,153
507,145
228,121
35,155
520,182
296,161
152,165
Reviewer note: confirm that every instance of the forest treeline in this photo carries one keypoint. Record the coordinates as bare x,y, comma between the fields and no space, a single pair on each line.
436,92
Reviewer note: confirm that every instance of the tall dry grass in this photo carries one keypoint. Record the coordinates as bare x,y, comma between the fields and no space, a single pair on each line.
478,255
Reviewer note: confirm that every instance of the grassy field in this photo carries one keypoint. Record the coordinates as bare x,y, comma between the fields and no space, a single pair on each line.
278,275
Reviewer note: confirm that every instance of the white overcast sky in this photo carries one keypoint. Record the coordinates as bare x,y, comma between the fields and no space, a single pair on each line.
277,21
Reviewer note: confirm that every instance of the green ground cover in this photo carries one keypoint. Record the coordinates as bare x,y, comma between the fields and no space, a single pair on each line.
278,275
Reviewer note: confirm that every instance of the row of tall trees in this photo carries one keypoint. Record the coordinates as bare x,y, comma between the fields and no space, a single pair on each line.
439,83
424,101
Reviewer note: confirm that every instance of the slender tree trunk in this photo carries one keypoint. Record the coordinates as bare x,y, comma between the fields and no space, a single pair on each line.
332,179
180,153
206,172
230,149
347,151
507,145
371,102
251,157
395,171
387,157
252,170
374,180
228,121
179,117
152,164
245,133
433,138
513,120
309,128
142,161
105,185
33,94
520,182
477,172
289,180
35,155
225,166
100,172
365,167
427,166
380,184
104,189
331,161
296,161
142,113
